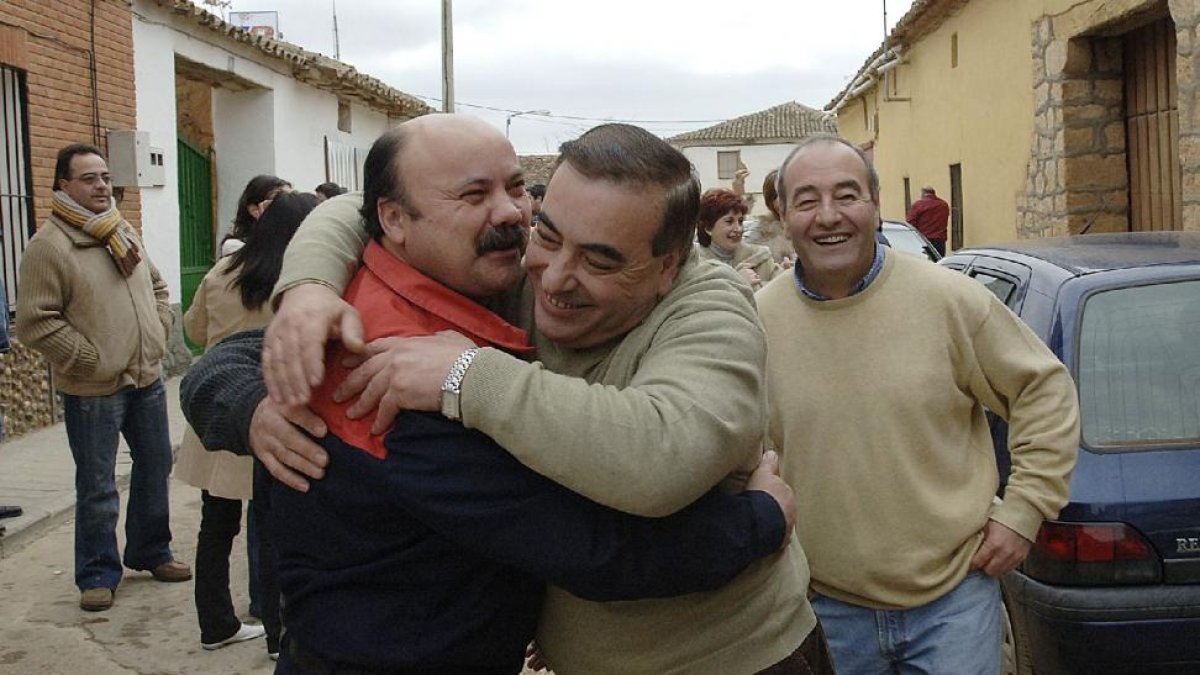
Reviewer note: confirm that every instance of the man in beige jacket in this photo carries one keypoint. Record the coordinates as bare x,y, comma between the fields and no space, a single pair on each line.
97,309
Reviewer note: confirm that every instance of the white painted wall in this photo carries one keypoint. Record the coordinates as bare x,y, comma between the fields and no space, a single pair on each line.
156,115
278,128
759,159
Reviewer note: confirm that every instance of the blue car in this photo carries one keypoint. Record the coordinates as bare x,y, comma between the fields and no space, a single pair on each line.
1112,585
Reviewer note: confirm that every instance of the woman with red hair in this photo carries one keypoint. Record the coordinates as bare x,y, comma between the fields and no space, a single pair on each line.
719,233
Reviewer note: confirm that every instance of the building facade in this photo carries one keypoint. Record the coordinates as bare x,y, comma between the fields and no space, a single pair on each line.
1035,117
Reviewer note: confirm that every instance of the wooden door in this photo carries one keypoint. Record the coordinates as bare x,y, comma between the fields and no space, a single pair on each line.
1152,128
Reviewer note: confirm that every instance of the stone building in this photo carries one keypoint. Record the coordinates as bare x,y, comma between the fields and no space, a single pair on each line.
1035,117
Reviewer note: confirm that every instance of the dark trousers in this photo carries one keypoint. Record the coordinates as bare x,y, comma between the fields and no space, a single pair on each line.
268,560
811,658
939,245
220,521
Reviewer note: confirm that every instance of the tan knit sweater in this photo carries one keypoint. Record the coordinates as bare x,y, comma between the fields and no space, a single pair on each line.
99,330
877,405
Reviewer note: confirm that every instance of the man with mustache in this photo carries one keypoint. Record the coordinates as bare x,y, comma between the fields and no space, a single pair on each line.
425,550
647,393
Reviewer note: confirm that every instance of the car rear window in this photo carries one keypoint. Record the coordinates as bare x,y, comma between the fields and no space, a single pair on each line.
1139,366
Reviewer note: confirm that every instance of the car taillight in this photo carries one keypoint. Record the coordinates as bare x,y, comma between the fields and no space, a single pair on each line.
1092,554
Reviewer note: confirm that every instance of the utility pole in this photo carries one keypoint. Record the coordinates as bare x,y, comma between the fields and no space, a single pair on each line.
885,32
447,57
337,47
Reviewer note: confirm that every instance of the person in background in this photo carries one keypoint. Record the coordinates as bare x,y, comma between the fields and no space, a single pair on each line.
769,230
719,236
930,214
328,191
97,309
233,297
536,194
879,370
255,199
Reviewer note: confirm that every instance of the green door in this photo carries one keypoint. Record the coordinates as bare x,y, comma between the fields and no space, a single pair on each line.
195,222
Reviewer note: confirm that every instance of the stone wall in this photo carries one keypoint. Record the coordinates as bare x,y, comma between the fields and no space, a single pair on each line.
1186,14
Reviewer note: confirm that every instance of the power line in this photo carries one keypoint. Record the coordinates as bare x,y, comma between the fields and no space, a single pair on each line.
574,117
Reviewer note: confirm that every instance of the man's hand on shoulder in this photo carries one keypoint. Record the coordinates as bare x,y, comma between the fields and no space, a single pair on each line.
278,439
1001,550
401,374
294,348
766,478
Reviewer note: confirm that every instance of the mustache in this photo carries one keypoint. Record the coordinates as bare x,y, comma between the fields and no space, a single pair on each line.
502,238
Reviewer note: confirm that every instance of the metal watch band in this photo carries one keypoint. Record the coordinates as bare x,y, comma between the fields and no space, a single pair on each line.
458,370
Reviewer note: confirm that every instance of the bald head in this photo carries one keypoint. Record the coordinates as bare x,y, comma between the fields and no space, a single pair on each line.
389,163
824,141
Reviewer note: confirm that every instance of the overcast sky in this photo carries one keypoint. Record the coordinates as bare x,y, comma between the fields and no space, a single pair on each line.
668,65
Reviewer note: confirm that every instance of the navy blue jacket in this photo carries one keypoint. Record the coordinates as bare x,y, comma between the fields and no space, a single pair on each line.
437,556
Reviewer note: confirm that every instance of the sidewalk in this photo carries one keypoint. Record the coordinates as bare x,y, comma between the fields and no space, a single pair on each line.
37,473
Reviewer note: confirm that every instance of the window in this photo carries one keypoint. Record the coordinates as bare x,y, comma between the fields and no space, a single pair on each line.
344,116
907,194
1002,288
16,194
1139,366
727,164
343,164
954,50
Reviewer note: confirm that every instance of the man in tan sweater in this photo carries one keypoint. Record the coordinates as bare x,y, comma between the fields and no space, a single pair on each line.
97,310
647,393
879,368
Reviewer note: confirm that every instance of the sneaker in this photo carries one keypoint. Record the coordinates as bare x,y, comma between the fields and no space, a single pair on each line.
172,571
246,632
96,599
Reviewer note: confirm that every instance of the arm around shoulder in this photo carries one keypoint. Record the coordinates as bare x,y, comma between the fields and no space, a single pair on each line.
327,247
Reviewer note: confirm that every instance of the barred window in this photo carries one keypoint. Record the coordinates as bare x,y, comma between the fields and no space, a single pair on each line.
16,192
344,163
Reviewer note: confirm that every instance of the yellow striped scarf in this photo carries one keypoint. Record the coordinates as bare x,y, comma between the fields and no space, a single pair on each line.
108,227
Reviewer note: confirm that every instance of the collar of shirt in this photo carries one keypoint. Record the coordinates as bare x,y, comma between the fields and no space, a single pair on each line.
460,312
876,266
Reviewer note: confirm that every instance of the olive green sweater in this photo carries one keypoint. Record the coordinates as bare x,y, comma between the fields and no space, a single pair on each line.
99,330
645,425
877,407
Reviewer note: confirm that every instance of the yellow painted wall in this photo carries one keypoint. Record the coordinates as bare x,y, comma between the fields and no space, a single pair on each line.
979,115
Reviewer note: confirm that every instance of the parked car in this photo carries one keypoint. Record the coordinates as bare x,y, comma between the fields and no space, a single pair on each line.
908,239
1113,584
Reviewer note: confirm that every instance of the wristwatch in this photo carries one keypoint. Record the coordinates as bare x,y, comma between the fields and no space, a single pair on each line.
452,387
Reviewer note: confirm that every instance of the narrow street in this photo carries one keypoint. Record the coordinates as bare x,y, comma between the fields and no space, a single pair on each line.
150,630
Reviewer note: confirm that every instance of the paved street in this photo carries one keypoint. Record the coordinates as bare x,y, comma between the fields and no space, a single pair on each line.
151,628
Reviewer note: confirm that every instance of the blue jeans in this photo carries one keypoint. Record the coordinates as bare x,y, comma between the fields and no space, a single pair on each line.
959,633
93,425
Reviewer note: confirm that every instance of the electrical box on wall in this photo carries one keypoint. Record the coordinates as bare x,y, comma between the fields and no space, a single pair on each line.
133,161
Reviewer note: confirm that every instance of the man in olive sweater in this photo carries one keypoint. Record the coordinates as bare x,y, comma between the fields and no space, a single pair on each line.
879,368
97,310
647,392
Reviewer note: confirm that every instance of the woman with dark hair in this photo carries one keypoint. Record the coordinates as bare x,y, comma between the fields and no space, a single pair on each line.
255,199
233,297
719,233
